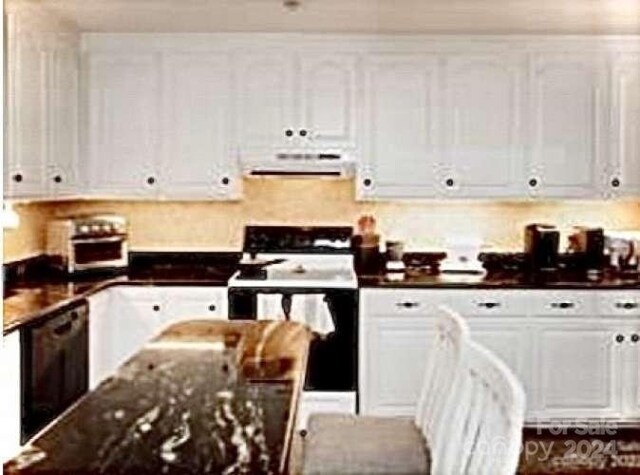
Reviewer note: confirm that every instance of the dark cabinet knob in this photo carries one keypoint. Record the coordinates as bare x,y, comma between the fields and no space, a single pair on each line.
366,182
533,182
156,308
151,180
17,177
407,304
619,338
225,181
563,305
615,182
449,182
303,133
57,179
626,305
212,308
288,133
635,338
489,304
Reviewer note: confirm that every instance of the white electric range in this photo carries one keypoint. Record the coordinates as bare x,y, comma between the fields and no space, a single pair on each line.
314,282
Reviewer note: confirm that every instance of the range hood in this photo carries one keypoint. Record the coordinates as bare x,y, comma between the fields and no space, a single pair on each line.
325,164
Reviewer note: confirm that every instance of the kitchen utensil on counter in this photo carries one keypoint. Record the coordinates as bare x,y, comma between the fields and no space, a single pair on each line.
541,247
394,266
623,250
587,244
250,267
462,256
366,247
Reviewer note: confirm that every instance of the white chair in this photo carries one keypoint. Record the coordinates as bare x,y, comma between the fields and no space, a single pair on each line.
346,444
469,420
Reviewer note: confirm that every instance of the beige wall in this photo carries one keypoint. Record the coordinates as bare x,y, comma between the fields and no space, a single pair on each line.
218,225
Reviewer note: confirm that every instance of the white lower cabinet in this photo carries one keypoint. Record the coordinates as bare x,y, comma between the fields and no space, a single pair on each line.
576,370
577,353
391,373
323,402
10,408
122,319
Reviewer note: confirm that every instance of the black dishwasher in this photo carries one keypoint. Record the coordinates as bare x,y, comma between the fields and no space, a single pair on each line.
55,358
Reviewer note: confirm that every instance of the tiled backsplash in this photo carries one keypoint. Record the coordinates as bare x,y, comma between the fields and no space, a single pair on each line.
218,225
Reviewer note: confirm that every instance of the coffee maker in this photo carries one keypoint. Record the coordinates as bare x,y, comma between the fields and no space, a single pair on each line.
587,244
541,247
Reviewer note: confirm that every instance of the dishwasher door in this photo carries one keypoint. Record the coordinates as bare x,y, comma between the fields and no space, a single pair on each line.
55,363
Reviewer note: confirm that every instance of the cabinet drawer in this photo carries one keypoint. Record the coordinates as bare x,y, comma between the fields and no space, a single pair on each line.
619,303
563,302
184,303
401,301
488,302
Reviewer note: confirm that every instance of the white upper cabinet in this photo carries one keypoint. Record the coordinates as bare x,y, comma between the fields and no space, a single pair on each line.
400,126
566,124
264,102
196,156
288,101
624,175
42,109
25,157
327,101
123,123
483,113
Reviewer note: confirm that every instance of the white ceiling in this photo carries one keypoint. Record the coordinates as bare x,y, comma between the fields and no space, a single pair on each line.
374,16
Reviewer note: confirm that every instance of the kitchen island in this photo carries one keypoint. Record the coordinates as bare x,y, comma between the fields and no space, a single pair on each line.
202,397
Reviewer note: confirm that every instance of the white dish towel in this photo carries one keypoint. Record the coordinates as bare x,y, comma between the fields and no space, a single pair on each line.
308,309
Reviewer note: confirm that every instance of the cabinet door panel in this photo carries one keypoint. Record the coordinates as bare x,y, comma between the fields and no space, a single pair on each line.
397,350
566,125
483,141
196,109
401,126
184,303
28,67
264,102
507,338
62,170
328,100
123,114
576,370
626,128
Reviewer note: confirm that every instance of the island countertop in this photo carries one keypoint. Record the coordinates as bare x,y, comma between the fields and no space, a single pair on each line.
203,397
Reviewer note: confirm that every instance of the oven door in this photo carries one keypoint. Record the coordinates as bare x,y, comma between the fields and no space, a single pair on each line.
98,253
333,358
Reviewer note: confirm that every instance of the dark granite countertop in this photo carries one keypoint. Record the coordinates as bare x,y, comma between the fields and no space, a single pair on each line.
503,280
203,397
28,299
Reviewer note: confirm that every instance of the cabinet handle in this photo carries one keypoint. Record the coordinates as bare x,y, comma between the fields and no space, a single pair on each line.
151,180
563,305
449,182
17,177
212,308
366,182
407,304
615,182
156,308
635,338
619,338
288,133
303,133
62,329
57,179
533,182
626,305
489,304
225,180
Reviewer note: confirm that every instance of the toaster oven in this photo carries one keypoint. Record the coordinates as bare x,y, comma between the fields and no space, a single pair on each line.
88,243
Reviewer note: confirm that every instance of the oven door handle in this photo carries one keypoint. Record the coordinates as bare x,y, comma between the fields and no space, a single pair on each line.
98,240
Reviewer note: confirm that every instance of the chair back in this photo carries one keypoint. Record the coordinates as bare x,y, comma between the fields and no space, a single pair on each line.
485,415
442,364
